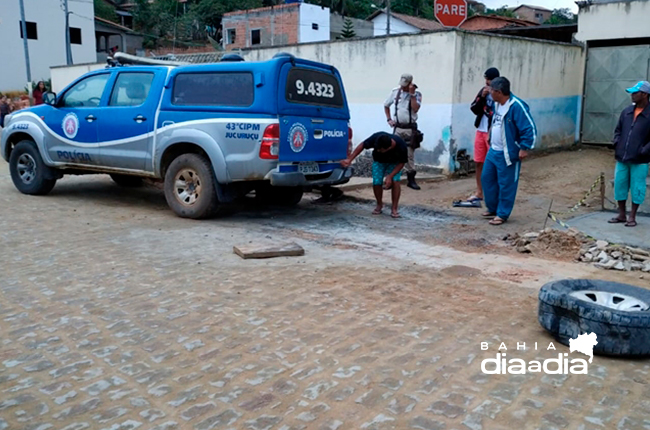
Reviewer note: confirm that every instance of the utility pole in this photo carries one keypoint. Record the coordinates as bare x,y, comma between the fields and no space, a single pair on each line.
387,17
23,25
68,49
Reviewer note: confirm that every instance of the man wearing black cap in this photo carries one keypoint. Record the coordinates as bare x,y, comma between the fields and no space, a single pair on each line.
483,108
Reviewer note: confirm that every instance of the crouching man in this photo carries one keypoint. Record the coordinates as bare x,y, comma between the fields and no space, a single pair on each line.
389,155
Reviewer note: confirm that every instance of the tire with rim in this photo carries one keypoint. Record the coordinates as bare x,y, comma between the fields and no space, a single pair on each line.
281,196
619,314
127,181
28,171
190,187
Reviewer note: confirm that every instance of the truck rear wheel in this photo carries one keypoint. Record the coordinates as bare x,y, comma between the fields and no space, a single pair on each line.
126,181
190,187
28,171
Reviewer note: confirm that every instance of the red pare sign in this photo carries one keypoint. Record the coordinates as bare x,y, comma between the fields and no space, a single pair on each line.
451,13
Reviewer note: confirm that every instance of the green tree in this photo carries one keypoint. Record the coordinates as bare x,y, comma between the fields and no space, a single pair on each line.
353,8
562,16
502,11
210,12
105,10
348,29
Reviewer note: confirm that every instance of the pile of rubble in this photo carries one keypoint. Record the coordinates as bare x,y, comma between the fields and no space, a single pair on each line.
615,257
574,244
555,243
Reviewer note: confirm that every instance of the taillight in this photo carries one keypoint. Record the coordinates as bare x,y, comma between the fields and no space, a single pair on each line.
270,142
349,141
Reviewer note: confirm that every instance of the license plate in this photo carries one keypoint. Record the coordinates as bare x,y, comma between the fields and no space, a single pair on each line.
308,168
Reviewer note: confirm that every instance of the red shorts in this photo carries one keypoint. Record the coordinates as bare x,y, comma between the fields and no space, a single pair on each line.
481,146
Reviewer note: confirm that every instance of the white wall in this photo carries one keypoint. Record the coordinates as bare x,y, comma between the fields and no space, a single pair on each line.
396,26
63,76
602,21
548,76
448,67
371,68
312,14
49,49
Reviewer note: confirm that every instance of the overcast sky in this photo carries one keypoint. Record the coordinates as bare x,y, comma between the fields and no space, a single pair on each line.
548,4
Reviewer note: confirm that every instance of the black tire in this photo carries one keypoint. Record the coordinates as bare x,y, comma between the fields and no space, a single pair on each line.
127,181
206,203
619,332
280,196
36,178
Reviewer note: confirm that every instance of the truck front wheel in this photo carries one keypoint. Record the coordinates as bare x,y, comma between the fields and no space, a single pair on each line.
190,187
28,172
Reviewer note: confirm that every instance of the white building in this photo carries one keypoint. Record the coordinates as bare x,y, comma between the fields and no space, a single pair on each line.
401,24
46,39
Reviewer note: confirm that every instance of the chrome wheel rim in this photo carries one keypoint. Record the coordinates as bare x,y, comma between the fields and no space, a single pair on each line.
187,187
26,168
619,302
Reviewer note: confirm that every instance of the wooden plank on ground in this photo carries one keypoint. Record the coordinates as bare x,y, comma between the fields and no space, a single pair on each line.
269,251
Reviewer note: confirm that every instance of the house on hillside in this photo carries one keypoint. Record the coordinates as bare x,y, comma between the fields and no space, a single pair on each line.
400,23
123,11
536,14
109,35
285,24
491,22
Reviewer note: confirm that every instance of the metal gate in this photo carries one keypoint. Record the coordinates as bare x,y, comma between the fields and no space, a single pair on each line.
609,72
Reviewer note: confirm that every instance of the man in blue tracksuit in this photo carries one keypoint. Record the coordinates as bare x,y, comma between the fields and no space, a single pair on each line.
512,134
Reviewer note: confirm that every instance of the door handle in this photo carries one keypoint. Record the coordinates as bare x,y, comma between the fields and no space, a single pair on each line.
139,119
91,118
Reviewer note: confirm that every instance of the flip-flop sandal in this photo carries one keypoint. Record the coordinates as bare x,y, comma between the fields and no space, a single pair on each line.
395,216
377,212
488,215
616,221
630,224
473,199
497,221
466,204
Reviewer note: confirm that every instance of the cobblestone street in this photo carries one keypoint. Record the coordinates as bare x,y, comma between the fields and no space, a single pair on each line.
115,314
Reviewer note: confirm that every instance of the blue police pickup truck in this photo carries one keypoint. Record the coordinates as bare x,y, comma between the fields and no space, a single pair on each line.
211,132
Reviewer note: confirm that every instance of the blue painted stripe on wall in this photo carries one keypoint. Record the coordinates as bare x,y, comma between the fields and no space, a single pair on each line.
557,119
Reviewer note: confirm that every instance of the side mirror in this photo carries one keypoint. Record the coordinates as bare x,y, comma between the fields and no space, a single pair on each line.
49,98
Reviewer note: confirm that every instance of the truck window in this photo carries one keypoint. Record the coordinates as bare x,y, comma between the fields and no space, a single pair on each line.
86,93
214,89
131,89
313,88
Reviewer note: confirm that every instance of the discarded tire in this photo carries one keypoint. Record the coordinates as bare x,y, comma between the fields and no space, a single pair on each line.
619,314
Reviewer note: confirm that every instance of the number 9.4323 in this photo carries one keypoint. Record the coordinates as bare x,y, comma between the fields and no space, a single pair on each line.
315,89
